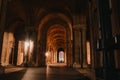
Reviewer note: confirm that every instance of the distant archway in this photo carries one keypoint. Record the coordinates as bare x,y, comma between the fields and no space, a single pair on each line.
60,55
57,31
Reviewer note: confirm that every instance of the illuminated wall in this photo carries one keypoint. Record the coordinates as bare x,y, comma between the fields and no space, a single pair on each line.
20,55
7,49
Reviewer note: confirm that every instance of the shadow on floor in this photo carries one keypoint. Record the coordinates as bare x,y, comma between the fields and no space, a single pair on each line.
13,75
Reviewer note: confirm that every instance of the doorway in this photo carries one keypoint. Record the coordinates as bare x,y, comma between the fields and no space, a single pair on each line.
61,55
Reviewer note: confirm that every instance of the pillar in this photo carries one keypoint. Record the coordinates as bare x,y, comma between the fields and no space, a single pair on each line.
20,54
4,49
80,57
38,49
106,37
77,47
84,47
40,57
69,54
3,8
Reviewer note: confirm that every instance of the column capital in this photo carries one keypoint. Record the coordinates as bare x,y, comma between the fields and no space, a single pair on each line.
79,26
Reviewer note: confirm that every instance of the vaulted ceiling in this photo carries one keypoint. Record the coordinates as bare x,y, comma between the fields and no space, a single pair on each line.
40,13
31,11
56,37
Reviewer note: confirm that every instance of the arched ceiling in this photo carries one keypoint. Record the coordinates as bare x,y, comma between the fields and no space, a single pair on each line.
31,11
52,19
56,36
55,27
54,16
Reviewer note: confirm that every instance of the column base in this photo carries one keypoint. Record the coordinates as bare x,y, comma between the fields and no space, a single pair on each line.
2,69
91,74
85,65
76,65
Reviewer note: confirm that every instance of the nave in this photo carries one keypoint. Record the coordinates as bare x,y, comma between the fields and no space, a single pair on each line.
51,72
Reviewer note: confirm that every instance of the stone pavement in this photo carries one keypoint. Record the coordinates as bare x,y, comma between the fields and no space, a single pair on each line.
43,73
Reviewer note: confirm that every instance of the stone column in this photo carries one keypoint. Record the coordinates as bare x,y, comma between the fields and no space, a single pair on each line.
68,50
78,55
42,61
4,49
76,48
38,49
3,8
69,54
55,58
84,47
80,46
109,71
40,56
0,6
16,51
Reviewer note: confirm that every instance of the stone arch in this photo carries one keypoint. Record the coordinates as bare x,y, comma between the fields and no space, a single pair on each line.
14,32
16,25
64,11
49,20
60,55
56,16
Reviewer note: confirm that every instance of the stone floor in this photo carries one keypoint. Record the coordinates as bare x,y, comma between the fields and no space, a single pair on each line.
44,73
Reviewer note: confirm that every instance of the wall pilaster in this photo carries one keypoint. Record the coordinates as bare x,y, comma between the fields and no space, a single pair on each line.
3,9
80,57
